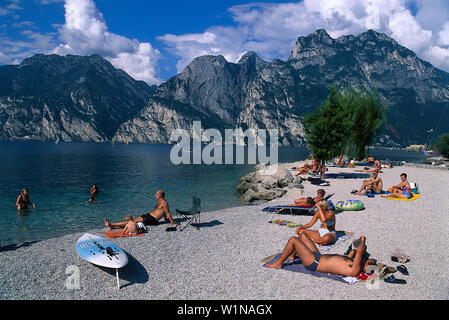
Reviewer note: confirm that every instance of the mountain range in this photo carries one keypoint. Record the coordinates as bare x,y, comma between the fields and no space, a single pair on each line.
74,98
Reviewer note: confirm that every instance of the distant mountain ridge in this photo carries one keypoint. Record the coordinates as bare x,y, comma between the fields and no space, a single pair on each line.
86,99
71,98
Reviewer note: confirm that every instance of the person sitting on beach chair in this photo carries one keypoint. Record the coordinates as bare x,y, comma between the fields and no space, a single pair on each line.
401,190
340,162
373,184
311,201
326,233
151,218
314,168
313,260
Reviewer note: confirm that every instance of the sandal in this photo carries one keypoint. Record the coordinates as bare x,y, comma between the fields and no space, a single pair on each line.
402,269
392,279
399,257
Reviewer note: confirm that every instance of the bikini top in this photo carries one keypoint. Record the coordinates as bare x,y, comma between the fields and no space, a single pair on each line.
329,223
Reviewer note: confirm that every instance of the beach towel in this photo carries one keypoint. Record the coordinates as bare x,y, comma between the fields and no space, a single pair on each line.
300,209
285,223
414,197
372,194
112,234
297,266
342,236
308,209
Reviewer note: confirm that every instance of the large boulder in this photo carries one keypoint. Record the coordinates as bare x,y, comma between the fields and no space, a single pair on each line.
283,177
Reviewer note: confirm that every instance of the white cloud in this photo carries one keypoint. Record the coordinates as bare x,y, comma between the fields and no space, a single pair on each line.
85,32
272,29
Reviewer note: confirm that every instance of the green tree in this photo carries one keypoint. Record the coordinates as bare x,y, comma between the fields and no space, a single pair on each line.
346,120
366,114
443,145
326,129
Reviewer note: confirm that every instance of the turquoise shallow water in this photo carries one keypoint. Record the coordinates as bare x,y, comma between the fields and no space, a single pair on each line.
59,176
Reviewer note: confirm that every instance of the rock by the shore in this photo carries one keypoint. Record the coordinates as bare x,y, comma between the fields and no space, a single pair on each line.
267,183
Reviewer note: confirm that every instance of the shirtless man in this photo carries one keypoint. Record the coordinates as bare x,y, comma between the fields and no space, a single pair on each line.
401,190
311,201
374,184
151,218
349,266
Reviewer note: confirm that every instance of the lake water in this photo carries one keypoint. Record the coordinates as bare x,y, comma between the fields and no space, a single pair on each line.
59,176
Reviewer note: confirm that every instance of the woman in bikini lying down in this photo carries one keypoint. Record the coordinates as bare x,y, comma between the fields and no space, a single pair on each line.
313,260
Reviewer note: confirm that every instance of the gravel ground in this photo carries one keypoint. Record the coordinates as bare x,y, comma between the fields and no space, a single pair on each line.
222,260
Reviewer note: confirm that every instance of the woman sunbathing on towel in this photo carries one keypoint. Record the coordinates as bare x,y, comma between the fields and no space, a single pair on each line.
326,233
303,246
401,190
311,201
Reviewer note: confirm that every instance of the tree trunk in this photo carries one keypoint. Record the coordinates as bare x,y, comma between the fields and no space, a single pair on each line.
323,170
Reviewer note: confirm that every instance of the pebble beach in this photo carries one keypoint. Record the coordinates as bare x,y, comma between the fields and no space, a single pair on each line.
222,260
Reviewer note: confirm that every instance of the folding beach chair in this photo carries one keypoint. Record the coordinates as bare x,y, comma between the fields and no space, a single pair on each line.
191,216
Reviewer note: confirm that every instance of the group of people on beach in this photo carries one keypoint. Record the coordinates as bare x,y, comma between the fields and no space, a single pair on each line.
133,226
304,244
130,225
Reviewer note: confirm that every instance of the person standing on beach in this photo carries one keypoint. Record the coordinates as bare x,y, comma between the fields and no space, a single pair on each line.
152,218
373,184
313,260
23,200
401,190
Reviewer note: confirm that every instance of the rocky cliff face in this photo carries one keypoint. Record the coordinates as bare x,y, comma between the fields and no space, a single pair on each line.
257,94
86,99
70,98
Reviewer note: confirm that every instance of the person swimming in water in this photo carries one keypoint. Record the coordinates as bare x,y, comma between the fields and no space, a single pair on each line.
93,193
23,200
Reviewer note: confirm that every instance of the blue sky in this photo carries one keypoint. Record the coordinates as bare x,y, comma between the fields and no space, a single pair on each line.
153,40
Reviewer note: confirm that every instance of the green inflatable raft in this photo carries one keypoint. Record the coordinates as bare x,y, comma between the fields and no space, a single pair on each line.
349,205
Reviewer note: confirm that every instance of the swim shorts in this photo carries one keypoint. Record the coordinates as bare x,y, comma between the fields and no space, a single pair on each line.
149,220
314,264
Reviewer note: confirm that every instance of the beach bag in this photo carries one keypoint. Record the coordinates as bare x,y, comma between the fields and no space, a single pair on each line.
414,187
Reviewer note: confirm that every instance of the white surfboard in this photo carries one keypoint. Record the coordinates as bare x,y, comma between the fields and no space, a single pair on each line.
94,249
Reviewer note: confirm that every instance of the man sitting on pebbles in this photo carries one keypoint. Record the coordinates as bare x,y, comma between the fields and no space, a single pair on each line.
151,218
373,184
313,260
